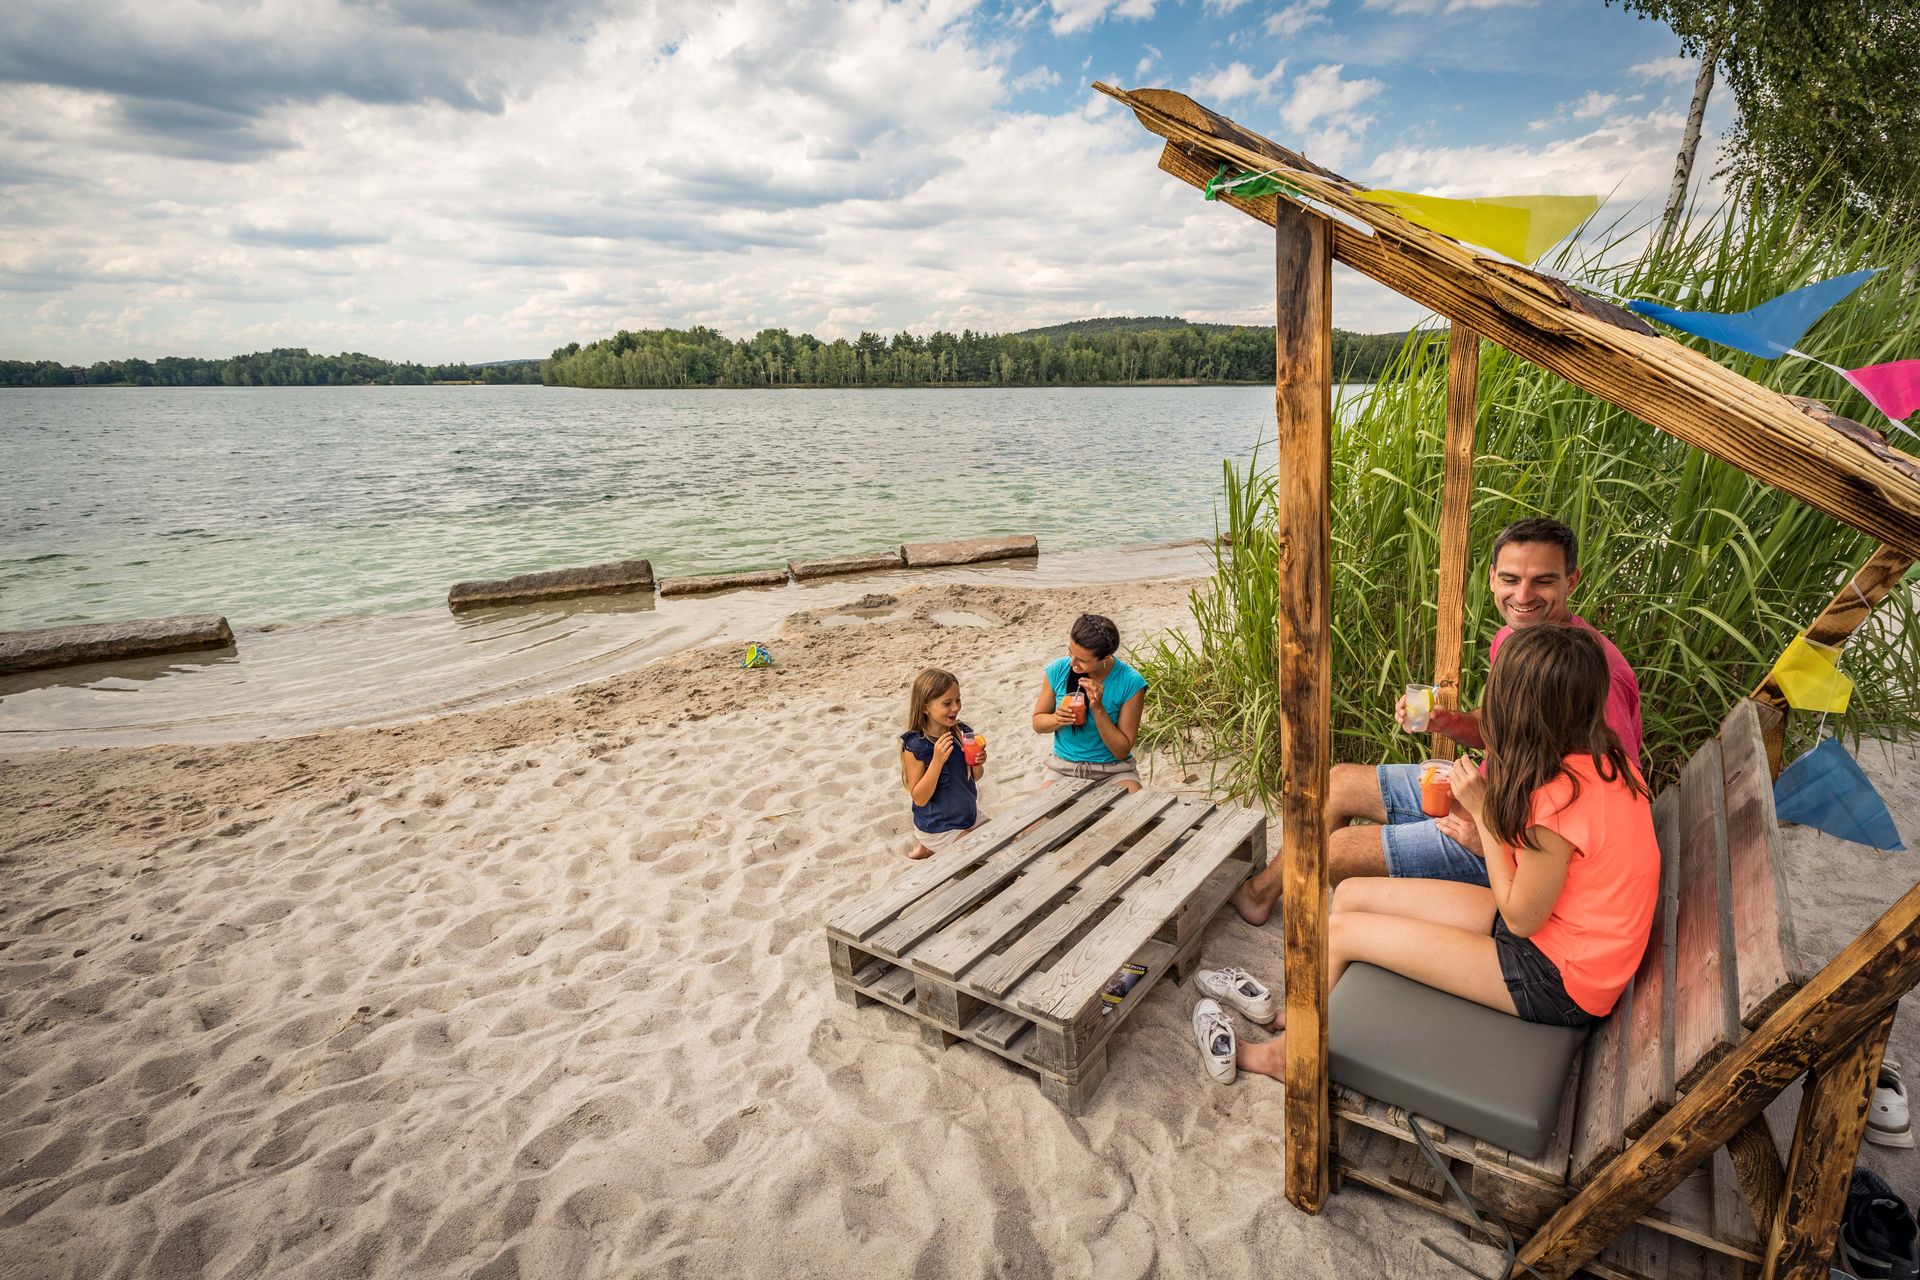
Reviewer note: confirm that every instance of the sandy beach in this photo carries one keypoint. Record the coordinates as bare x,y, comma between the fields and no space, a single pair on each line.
541,990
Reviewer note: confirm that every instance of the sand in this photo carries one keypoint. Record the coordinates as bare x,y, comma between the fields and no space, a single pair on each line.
541,990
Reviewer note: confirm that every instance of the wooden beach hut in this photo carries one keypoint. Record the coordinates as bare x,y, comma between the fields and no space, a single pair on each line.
1678,1082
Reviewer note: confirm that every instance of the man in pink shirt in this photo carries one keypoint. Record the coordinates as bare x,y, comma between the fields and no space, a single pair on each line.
1535,568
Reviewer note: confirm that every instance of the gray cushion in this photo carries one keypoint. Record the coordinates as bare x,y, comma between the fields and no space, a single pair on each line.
1462,1064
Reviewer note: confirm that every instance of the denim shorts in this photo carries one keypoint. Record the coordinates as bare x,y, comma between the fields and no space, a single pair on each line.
1414,844
1534,981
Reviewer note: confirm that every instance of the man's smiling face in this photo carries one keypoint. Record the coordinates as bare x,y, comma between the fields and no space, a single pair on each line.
1530,583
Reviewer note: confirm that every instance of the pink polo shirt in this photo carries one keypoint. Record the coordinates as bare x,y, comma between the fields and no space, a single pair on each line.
1623,699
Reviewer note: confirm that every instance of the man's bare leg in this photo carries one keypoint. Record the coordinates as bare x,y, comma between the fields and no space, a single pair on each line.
1353,791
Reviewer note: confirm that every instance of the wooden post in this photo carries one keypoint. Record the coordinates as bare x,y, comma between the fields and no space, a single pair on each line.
1456,499
1833,1119
1303,404
1840,1004
1835,625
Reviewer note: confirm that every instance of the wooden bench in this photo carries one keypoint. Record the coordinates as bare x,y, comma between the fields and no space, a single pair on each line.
1721,960
1007,938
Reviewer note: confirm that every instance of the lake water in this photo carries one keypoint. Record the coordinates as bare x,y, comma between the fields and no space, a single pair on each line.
327,523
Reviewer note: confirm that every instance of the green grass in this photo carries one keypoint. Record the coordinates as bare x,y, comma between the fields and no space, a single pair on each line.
1700,574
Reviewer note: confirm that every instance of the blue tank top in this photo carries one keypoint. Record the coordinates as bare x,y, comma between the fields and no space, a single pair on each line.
1083,742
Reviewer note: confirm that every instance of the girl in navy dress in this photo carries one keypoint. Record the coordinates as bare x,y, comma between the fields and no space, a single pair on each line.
944,790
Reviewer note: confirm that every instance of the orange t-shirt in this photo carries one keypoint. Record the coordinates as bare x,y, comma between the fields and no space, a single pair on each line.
1598,929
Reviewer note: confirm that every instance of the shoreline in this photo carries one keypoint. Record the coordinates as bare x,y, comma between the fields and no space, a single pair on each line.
540,989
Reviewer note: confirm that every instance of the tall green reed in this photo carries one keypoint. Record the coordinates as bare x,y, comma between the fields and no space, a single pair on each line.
1700,574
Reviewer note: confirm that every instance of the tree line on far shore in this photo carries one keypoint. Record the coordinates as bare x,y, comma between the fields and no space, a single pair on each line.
1088,353
282,367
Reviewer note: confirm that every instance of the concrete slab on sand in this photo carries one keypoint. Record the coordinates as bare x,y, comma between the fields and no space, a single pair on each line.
804,569
723,582
102,641
920,555
554,584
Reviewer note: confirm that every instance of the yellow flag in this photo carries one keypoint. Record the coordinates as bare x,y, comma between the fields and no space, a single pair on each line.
1521,227
1807,675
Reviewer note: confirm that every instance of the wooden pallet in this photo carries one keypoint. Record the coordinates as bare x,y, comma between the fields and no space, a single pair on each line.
1006,939
1702,1228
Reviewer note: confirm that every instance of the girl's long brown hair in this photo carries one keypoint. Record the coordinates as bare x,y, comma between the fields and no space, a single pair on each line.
928,685
1546,700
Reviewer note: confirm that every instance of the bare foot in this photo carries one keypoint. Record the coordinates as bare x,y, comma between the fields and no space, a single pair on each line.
1269,1059
1250,905
920,851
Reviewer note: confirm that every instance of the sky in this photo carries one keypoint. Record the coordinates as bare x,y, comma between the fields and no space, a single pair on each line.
476,180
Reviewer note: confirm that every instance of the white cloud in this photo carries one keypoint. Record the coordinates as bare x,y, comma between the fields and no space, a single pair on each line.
1676,70
1295,18
1070,16
1236,81
1038,78
1147,62
1223,6
1594,105
1445,6
1322,110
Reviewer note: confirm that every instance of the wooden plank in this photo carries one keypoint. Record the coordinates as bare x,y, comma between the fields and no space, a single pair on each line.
1757,1181
1837,1006
1686,1213
1826,1140
1649,1043
936,909
1855,478
997,1027
1706,1019
1600,1129
1456,495
863,916
1849,607
1074,981
1731,1222
1767,961
896,985
1303,404
969,938
994,976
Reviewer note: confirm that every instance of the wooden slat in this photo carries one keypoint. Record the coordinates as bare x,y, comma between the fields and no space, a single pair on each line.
859,919
1456,495
1687,1214
1600,1128
941,906
1826,1140
1759,1179
994,976
1855,478
1649,1043
1063,991
1837,1006
997,1027
968,939
1730,1223
896,985
1303,404
1768,962
1706,1022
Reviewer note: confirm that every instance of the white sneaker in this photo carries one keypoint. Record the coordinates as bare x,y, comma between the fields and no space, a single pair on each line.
1888,1119
1238,989
1213,1032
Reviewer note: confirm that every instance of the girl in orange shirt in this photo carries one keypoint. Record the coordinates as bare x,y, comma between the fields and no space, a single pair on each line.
1574,867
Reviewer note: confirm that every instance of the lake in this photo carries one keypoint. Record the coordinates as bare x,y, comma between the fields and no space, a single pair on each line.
326,523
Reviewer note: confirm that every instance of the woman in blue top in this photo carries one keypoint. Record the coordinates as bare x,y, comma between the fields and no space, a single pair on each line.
1094,738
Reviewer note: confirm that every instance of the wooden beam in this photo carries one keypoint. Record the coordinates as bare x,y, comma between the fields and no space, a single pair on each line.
1833,1119
1456,500
1838,1006
1303,404
1855,477
1835,625
1757,1168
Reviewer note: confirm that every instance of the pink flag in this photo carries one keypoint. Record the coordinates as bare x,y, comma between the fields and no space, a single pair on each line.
1893,388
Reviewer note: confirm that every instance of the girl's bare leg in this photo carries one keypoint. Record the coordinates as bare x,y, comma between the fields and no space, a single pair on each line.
1433,931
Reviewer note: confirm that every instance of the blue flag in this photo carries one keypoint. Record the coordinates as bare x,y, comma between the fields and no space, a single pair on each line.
1826,790
1770,330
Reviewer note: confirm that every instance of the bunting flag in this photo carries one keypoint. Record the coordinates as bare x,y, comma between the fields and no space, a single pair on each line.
1770,330
1246,185
1826,789
1807,674
1893,388
1519,227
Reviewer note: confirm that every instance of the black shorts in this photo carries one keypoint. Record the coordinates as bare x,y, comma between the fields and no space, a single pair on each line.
1534,981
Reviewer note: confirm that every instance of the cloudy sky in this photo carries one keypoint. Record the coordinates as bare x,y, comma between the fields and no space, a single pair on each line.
485,179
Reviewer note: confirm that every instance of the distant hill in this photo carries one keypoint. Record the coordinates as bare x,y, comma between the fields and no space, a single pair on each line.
1124,324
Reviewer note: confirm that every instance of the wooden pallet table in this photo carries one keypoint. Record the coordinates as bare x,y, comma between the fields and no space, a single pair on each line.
1006,938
